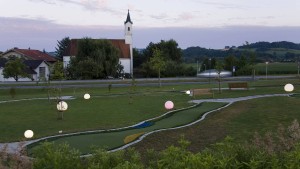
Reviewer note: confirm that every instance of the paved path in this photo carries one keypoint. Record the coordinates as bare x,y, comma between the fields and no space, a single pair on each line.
231,100
15,147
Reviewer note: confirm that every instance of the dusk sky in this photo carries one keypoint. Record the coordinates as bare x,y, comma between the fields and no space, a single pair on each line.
38,24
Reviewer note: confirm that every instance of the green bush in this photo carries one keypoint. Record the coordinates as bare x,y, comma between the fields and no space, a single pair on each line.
272,150
59,157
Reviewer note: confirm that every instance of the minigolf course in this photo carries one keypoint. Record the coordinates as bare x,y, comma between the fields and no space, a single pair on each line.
116,138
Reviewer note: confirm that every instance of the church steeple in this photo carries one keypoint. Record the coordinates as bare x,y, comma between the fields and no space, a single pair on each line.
128,29
128,18
128,39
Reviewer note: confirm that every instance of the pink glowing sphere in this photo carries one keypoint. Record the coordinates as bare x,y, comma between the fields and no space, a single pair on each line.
169,105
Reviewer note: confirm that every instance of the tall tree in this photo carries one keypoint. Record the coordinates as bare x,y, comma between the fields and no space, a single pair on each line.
230,61
101,56
15,68
62,45
169,49
158,63
57,71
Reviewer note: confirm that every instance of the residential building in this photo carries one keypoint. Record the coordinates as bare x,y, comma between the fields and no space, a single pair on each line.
28,54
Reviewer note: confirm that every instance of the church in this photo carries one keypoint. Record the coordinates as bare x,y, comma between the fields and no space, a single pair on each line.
124,46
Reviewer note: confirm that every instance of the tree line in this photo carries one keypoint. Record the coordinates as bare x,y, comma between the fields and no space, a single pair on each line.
264,51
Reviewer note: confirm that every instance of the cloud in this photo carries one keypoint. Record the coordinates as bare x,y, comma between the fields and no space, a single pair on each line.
186,16
43,34
159,16
221,4
90,5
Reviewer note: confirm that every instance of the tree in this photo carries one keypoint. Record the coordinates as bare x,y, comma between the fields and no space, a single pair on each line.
94,59
120,70
15,69
158,63
169,50
219,68
62,45
57,71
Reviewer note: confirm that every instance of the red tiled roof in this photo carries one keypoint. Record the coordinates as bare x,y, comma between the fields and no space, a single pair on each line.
35,55
118,43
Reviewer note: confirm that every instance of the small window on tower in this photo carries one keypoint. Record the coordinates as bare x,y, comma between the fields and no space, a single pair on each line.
128,28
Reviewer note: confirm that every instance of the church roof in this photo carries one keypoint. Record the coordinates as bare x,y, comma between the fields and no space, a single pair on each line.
120,44
128,18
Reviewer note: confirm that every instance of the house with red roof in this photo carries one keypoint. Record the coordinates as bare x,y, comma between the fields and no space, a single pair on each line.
124,46
28,54
37,63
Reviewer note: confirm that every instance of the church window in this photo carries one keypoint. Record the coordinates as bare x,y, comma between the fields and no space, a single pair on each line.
128,29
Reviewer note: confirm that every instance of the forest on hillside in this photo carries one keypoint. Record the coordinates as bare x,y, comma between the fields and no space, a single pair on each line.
265,51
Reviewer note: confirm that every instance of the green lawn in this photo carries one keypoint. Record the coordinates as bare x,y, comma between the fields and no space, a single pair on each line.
100,112
275,68
114,139
124,106
262,115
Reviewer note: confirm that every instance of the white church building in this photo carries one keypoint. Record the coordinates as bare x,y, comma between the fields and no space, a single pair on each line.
124,46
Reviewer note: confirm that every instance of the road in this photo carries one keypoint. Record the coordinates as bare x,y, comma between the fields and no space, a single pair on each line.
128,82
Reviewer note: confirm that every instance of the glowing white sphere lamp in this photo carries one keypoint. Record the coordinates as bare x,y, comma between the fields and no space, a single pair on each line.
87,96
188,92
62,106
169,105
28,134
288,87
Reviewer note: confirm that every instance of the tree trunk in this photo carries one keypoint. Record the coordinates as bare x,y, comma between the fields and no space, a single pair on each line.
159,77
219,79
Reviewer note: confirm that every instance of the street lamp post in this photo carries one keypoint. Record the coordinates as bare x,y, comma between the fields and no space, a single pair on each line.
197,68
209,70
267,70
298,66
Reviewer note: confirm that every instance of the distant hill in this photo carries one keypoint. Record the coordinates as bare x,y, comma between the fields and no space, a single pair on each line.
271,51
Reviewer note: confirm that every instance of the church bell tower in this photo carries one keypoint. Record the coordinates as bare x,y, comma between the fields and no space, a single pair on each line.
128,39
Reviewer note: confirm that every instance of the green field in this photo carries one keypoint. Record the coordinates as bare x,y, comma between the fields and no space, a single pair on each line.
124,106
275,68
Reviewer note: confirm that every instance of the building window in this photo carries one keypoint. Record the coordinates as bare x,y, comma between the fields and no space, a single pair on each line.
128,29
42,71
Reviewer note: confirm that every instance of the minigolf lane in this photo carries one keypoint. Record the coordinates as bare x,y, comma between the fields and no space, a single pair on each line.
112,139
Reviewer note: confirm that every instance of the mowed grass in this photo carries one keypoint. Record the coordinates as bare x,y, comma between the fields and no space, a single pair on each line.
276,68
114,139
261,115
240,121
100,112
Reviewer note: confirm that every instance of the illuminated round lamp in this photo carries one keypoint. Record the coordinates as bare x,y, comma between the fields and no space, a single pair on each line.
288,87
62,106
87,96
169,105
28,134
188,92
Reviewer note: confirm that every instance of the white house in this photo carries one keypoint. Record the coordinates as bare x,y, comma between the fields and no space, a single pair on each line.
37,69
37,63
124,46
